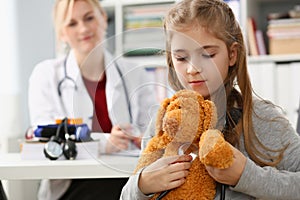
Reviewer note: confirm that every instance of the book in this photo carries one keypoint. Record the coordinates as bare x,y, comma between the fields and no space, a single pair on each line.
260,42
251,36
143,28
284,28
284,36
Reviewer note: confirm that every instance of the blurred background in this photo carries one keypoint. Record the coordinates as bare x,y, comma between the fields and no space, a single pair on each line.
27,37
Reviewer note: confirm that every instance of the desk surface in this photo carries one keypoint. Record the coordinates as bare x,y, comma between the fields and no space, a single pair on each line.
12,167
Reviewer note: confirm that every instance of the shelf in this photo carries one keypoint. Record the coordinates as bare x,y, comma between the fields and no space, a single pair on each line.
259,9
148,61
274,58
143,2
112,3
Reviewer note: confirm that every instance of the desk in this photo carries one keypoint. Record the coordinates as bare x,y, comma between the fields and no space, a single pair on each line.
12,167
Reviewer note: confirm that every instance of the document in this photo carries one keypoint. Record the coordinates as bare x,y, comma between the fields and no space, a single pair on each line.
133,153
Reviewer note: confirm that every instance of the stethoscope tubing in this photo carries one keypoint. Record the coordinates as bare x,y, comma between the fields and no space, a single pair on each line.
67,77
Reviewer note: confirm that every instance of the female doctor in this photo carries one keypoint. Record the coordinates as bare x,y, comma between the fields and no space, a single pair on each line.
88,83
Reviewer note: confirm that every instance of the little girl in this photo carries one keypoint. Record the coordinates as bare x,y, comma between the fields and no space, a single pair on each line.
206,53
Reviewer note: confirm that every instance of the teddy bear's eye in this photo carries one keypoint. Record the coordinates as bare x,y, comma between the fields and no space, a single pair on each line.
179,107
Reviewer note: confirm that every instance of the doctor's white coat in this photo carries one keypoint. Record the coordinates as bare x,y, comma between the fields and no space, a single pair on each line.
46,105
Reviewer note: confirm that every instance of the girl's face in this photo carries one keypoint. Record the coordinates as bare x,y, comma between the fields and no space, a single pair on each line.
201,60
85,28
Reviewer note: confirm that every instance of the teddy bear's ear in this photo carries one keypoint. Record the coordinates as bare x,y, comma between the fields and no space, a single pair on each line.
210,113
160,115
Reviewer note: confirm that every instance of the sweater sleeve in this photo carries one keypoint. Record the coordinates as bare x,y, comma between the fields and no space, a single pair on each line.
268,182
131,190
282,181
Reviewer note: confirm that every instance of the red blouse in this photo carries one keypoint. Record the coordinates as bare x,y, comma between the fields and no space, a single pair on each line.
101,121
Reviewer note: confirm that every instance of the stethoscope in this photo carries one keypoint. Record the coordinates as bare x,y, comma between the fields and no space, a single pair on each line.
236,114
67,77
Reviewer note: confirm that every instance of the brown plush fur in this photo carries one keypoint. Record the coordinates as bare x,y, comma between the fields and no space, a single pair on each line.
183,119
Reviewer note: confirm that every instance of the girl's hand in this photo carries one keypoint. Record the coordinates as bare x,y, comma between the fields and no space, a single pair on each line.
117,140
164,174
231,175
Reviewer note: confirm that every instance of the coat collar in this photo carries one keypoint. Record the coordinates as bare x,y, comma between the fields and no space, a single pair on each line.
71,66
73,69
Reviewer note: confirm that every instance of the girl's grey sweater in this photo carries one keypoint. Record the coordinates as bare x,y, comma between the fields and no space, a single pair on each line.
282,182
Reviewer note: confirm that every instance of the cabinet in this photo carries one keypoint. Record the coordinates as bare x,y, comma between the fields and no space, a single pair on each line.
274,77
277,79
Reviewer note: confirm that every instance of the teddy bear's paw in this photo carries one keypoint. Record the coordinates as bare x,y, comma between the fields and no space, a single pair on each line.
214,150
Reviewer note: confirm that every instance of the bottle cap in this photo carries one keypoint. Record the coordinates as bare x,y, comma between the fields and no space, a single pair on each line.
74,121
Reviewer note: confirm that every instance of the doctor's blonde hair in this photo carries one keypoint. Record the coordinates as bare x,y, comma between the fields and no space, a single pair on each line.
63,9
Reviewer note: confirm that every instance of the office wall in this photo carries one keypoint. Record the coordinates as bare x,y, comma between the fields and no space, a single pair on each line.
36,41
9,76
27,37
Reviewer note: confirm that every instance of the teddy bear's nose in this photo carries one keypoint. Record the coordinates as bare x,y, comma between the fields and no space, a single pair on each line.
188,148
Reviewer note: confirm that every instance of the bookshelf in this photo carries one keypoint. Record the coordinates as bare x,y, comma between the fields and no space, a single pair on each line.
261,10
120,12
275,76
265,70
135,24
135,31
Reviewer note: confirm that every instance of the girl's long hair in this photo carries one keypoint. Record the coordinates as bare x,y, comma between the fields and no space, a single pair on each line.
218,18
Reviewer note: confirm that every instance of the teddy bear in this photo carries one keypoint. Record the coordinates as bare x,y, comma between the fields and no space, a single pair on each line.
186,123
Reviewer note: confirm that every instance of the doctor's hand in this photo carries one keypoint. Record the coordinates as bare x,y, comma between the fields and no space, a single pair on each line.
118,140
164,174
232,174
